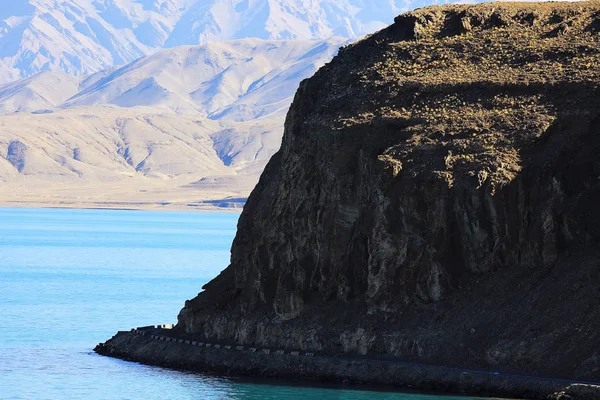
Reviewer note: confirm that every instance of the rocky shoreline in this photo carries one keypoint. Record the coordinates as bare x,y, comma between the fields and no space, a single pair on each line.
161,348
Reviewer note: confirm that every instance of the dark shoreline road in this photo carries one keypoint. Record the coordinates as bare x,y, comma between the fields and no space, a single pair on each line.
159,347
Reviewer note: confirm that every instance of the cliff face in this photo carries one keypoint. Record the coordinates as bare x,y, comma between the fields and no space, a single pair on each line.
436,198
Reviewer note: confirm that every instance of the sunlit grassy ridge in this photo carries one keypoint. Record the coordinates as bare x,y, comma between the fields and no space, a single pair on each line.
475,85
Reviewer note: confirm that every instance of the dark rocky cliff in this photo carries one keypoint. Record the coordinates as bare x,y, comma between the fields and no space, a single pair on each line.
436,198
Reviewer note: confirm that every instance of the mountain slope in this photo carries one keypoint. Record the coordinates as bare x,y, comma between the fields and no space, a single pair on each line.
115,157
46,90
185,124
79,37
241,80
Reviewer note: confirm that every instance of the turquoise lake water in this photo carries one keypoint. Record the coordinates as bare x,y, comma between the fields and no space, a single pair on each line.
72,278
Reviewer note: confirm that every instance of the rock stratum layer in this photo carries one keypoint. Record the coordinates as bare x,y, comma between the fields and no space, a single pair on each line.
435,200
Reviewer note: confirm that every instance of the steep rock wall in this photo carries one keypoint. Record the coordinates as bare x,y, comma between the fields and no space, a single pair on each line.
435,199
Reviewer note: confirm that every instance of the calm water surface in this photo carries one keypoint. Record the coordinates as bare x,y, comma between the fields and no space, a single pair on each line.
71,278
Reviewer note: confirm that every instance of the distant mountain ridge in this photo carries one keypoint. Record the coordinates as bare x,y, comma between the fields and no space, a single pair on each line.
238,80
80,37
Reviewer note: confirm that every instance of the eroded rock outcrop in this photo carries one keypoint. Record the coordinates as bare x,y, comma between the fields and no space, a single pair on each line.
436,198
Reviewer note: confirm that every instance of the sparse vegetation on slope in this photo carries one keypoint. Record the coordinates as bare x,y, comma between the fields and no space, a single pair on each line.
478,84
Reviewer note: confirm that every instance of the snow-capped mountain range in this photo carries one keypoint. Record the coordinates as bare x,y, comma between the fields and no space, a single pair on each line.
80,37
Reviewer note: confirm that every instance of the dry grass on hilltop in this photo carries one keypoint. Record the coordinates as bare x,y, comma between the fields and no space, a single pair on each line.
478,83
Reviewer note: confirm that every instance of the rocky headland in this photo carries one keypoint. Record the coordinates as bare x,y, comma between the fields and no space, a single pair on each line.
435,201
